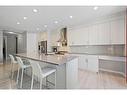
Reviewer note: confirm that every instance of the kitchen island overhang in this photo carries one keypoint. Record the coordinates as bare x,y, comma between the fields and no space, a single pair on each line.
66,68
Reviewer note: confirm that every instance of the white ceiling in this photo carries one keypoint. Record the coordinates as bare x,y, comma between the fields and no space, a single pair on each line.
10,15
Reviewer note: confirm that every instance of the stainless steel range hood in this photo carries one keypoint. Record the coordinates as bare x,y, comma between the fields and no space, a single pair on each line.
63,37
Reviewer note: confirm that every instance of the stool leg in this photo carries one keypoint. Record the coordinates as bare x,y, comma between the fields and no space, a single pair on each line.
21,78
17,75
46,82
12,71
55,81
32,81
40,83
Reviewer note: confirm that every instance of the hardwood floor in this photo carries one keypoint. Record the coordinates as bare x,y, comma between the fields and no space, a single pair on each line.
101,80
87,80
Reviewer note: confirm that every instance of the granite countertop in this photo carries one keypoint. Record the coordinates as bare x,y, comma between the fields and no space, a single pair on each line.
98,54
54,59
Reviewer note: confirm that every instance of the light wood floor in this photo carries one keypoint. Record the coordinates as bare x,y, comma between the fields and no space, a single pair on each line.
101,80
87,80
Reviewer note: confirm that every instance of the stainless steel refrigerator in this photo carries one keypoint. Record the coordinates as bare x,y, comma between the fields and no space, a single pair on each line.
42,47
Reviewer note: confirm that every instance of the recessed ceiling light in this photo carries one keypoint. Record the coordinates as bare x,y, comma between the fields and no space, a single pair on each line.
24,18
18,22
71,17
55,22
95,8
35,10
11,32
38,28
45,26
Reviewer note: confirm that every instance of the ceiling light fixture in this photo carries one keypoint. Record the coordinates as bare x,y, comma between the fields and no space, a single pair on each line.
24,18
35,10
38,29
95,8
11,32
18,22
71,17
45,26
55,22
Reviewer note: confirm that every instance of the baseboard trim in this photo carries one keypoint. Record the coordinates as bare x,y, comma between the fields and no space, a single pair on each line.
116,72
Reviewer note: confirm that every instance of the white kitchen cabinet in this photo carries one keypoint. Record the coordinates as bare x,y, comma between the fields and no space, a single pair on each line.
103,31
78,36
99,34
93,64
71,37
93,35
83,62
118,31
88,62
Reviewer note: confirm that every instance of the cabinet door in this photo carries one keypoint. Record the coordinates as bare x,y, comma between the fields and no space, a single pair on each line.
85,36
93,35
104,33
93,63
78,36
118,32
71,37
82,62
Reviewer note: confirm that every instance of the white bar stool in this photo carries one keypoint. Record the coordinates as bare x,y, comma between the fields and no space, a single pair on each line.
23,66
41,73
13,62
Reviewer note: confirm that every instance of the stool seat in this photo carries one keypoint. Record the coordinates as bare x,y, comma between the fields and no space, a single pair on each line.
47,71
41,73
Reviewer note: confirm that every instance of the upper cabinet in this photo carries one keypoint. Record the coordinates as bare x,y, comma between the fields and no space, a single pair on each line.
104,33
99,34
78,36
118,31
93,35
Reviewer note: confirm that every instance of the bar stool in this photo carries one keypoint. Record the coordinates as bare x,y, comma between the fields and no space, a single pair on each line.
41,73
13,62
23,66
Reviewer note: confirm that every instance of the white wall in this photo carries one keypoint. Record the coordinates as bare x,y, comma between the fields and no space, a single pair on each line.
1,46
32,43
42,36
22,43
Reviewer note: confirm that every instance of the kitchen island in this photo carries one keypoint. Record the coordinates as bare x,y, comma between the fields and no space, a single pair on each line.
66,68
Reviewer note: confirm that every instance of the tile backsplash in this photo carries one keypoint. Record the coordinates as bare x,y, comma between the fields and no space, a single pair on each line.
118,50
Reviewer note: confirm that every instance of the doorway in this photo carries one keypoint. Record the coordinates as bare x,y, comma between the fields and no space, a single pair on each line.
9,46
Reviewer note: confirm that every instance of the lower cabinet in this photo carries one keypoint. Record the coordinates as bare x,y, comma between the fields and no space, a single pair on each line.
93,63
82,60
88,62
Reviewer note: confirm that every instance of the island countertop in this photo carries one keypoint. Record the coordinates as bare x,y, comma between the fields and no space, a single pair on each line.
54,59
